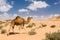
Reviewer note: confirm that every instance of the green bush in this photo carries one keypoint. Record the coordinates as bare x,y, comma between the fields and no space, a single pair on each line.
53,26
53,36
31,25
3,31
44,25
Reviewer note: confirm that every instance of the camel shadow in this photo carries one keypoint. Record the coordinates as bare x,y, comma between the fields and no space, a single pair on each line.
13,33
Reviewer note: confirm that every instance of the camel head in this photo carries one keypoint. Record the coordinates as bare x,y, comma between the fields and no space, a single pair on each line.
29,19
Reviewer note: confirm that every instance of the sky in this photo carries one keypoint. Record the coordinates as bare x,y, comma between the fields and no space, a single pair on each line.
38,9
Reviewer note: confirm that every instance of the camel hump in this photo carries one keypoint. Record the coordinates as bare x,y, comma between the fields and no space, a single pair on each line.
18,17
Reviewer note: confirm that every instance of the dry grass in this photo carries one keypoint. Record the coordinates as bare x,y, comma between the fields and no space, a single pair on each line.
53,36
32,32
43,25
1,27
3,31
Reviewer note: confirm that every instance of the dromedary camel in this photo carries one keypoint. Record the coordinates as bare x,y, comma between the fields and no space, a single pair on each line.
19,21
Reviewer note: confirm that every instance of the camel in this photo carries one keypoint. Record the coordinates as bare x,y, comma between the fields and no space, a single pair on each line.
19,21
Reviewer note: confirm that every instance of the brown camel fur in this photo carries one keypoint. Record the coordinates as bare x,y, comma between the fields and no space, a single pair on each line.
19,21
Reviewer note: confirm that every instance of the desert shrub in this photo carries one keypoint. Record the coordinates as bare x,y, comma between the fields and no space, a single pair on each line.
32,32
43,25
40,26
6,23
31,25
53,36
1,27
52,26
3,31
34,24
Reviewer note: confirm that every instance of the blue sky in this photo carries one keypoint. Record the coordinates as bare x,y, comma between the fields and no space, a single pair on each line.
38,9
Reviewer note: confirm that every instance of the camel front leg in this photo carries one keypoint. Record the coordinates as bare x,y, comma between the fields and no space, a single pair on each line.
8,31
11,27
20,26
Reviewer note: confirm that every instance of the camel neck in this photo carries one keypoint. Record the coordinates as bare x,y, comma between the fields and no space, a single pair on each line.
28,20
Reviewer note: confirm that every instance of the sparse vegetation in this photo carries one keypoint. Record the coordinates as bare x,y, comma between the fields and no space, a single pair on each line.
1,22
31,25
40,26
1,27
44,25
3,31
32,32
53,36
6,23
53,26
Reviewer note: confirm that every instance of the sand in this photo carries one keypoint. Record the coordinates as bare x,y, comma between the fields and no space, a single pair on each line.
40,32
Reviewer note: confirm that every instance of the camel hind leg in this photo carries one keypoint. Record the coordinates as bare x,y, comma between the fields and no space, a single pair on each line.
13,28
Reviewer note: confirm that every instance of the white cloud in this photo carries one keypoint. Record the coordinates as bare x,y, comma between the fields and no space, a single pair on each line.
26,11
23,10
6,16
37,4
56,15
4,6
14,15
52,15
43,17
36,17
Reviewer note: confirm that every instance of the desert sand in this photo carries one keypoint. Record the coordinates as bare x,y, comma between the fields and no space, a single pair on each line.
40,31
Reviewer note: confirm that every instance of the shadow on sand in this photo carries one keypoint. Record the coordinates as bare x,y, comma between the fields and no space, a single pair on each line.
13,33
